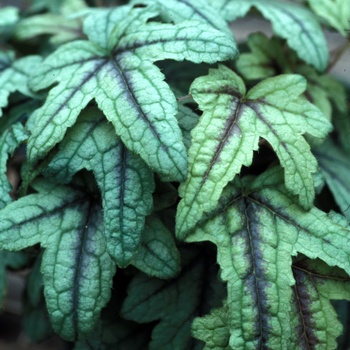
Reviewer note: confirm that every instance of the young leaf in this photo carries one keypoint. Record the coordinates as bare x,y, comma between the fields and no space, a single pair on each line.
76,267
158,255
268,57
335,12
257,227
9,141
335,165
175,303
116,68
213,329
290,21
14,75
8,17
125,181
228,132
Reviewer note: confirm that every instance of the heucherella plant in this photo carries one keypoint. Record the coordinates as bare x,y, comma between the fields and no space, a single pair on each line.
165,187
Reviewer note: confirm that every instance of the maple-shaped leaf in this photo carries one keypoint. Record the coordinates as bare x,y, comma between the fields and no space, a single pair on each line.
258,226
10,139
115,67
125,181
176,302
14,75
268,57
335,12
316,284
229,130
293,22
76,266
335,164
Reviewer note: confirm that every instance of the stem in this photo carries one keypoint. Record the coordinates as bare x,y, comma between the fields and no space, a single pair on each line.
184,98
338,54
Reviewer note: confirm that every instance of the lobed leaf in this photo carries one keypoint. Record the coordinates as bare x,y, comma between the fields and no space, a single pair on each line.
76,267
268,57
257,227
290,21
125,181
115,67
228,132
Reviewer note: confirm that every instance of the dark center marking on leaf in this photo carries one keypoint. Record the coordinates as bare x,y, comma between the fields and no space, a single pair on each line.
301,25
199,13
81,255
256,281
306,337
99,64
231,128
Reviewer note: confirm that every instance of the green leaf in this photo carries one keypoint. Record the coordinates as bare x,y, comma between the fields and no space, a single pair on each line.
61,28
213,329
335,165
113,332
257,227
14,75
116,68
268,57
335,12
158,255
290,21
10,139
8,17
315,284
175,303
198,10
76,267
228,132
125,181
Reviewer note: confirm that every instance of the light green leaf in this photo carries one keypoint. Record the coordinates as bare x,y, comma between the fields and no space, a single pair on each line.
175,303
213,329
76,267
268,57
228,132
315,284
125,181
8,17
335,12
61,28
158,255
257,227
290,21
198,10
14,75
335,165
116,68
10,139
